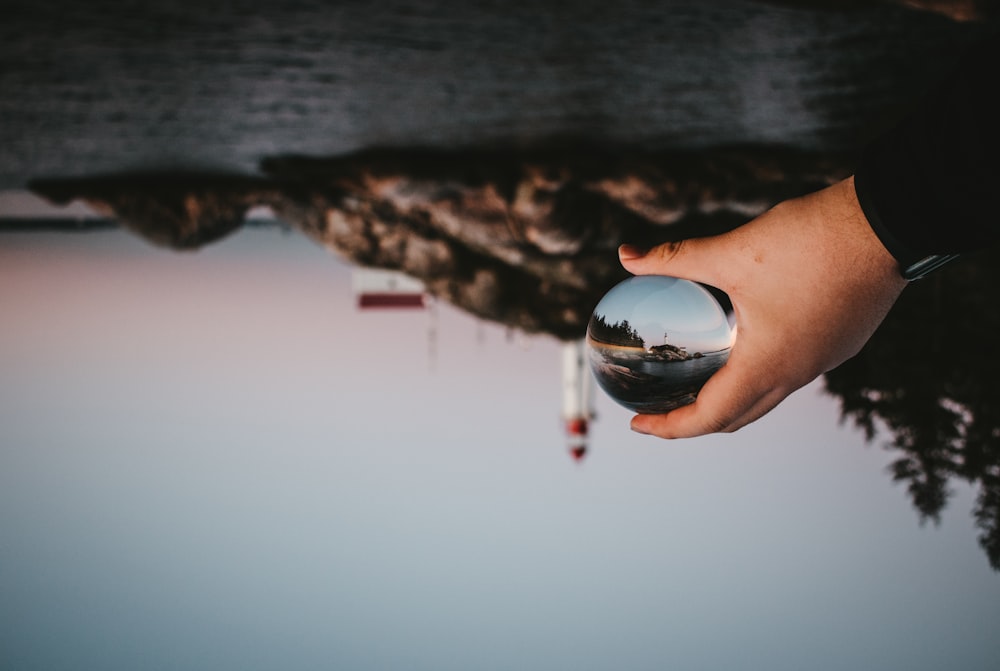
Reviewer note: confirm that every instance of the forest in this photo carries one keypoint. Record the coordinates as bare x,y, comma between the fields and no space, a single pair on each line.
620,333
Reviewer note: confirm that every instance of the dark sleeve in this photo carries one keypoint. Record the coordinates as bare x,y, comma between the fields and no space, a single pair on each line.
930,185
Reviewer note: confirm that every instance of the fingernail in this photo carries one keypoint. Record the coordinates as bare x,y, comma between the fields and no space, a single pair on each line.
634,426
629,252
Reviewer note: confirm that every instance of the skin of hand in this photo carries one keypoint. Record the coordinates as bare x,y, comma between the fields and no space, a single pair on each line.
809,282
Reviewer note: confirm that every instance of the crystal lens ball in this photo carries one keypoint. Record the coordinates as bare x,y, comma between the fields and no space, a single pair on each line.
654,341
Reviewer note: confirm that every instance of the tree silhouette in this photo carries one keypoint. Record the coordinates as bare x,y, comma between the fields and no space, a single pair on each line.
620,333
929,376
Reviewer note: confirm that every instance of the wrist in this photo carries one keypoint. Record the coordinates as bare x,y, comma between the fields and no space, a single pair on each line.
912,263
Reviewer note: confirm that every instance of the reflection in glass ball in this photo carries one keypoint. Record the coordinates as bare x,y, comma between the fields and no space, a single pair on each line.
654,341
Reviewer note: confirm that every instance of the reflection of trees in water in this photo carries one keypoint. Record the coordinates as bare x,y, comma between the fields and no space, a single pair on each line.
929,375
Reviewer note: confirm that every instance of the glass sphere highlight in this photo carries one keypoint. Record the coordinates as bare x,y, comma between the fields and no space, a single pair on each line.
654,341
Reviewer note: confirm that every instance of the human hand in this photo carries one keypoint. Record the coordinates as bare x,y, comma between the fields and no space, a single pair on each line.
809,282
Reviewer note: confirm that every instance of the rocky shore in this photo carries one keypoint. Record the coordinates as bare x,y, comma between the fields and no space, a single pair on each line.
526,239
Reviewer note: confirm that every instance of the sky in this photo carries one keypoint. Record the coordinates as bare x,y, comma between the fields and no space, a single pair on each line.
688,314
214,460
16,203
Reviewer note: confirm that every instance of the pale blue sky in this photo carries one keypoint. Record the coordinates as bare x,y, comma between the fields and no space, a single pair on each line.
213,461
656,305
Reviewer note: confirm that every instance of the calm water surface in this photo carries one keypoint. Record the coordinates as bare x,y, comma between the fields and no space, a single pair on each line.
216,461
102,86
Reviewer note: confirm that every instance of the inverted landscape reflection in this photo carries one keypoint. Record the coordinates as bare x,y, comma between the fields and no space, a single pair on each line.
655,341
294,347
936,399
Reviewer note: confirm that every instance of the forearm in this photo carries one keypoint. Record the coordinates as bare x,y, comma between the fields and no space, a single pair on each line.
928,186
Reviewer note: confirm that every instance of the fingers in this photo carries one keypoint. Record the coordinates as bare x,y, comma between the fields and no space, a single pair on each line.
727,397
688,422
728,401
689,259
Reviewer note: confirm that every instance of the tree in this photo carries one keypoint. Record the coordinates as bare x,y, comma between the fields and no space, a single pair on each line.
620,333
928,375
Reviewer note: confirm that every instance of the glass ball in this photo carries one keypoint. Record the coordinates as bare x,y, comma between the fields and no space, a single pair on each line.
654,341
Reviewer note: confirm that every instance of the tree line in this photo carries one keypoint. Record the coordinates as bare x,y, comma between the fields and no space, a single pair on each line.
619,333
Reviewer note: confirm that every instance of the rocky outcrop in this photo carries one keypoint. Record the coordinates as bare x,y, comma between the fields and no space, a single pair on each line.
669,353
526,239
180,211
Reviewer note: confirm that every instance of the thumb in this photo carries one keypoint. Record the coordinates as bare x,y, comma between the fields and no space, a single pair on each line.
688,259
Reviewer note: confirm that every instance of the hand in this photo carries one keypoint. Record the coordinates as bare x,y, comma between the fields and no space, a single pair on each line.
809,282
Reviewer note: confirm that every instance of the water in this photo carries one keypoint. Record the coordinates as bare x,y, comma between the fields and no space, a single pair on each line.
105,86
214,460
653,386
